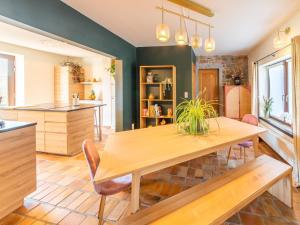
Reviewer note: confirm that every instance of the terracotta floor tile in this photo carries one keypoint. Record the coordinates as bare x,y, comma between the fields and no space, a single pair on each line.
40,211
248,219
56,215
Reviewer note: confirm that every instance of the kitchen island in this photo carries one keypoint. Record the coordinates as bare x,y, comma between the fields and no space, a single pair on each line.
61,129
17,164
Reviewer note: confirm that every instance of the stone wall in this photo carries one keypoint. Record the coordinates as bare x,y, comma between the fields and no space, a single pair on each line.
228,66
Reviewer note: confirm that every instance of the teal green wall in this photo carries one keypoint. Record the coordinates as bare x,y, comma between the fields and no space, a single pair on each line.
55,17
179,56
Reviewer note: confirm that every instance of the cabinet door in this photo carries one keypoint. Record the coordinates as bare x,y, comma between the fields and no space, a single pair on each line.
232,99
245,101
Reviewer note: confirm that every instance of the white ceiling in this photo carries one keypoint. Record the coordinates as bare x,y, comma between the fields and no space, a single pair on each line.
239,24
18,36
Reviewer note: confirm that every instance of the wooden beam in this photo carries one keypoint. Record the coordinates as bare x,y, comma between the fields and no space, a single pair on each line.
194,6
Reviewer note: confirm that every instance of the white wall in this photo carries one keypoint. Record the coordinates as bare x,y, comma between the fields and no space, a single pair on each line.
35,84
96,67
280,142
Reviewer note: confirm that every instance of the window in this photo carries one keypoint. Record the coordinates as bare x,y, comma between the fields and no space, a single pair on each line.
275,85
7,80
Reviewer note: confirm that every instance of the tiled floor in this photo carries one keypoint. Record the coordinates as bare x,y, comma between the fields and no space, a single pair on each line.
65,194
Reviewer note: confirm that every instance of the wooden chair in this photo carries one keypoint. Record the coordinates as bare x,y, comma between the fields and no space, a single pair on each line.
106,188
250,119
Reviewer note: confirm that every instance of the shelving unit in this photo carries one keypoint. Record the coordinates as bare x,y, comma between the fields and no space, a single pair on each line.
163,98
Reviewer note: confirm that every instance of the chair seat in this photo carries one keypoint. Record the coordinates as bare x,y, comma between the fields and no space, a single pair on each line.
114,186
246,144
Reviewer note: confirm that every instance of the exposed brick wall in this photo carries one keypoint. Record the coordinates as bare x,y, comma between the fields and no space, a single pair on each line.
228,65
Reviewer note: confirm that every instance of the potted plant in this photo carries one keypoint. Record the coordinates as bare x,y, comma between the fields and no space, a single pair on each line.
192,116
268,102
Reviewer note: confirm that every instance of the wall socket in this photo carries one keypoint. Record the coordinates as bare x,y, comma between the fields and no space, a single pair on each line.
186,94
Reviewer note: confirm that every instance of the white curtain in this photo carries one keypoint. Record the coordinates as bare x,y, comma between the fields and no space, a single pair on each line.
254,108
296,101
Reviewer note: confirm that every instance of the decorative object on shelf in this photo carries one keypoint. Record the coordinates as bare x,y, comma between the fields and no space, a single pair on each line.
149,77
170,112
151,111
167,87
2,124
151,97
278,42
157,110
76,70
192,116
92,95
163,122
268,102
181,36
145,112
237,80
156,78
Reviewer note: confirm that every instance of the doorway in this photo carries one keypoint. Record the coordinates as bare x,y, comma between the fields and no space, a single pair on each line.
208,80
7,80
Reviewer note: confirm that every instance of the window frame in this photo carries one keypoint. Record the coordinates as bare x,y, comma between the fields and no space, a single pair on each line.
283,62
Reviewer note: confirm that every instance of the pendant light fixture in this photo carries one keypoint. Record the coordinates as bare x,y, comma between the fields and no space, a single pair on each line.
210,44
181,35
162,30
278,42
196,40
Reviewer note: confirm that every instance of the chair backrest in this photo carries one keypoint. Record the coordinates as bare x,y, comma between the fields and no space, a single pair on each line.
91,156
250,119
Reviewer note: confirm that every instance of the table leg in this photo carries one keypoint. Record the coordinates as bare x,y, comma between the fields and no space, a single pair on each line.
100,131
255,146
135,192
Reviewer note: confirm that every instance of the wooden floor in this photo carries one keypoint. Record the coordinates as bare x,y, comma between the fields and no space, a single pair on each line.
65,194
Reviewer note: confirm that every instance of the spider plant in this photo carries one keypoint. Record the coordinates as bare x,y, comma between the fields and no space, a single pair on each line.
192,115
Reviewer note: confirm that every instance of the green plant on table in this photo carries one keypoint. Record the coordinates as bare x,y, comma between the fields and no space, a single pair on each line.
268,102
192,115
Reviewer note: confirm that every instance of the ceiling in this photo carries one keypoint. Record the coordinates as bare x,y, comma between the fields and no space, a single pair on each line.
239,24
18,36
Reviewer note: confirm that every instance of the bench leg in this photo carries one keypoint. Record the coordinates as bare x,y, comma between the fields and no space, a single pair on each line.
255,146
135,192
283,191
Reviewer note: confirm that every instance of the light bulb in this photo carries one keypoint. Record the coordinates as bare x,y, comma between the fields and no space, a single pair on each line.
181,37
196,41
210,45
162,32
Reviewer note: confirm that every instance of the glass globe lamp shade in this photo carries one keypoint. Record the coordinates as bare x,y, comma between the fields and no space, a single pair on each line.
181,37
277,42
196,41
162,32
210,45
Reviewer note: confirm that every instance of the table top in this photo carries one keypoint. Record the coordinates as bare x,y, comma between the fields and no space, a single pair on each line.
134,151
14,125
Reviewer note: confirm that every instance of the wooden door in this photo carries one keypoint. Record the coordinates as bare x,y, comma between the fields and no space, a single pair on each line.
209,84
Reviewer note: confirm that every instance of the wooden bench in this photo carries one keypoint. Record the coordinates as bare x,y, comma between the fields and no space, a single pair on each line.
221,197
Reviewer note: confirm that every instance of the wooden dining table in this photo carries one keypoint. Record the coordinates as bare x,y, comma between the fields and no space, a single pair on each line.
143,151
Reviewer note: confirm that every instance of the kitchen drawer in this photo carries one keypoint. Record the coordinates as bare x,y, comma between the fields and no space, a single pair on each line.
59,117
53,127
31,116
9,115
56,143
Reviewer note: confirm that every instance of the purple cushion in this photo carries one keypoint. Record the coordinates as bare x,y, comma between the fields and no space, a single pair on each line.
246,144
